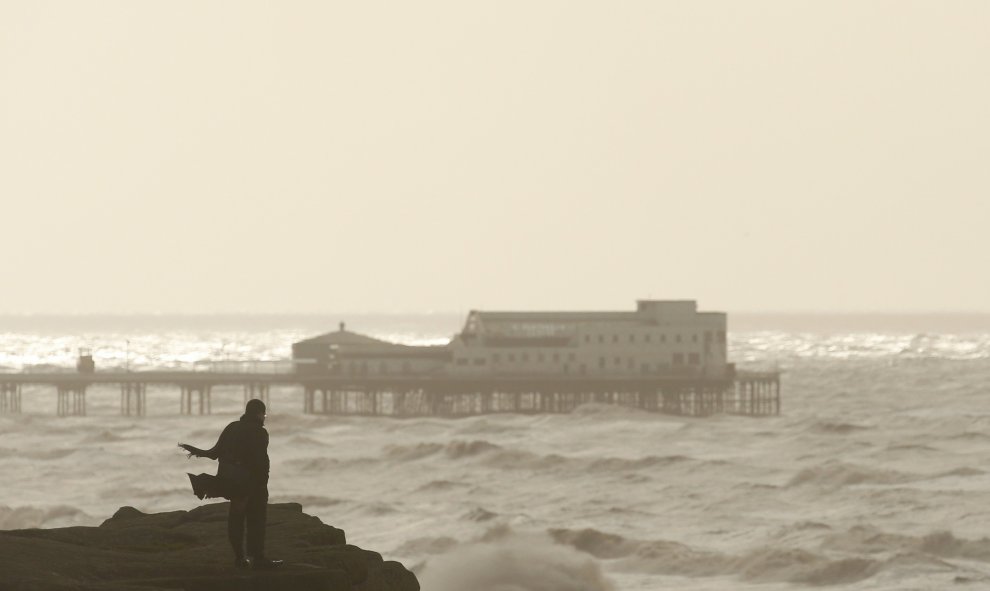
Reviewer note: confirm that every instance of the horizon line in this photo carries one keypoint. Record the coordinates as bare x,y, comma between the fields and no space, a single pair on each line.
463,312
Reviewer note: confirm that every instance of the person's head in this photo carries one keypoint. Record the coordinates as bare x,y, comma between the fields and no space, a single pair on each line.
256,408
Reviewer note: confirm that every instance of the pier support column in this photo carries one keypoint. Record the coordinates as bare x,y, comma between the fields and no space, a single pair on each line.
133,399
309,399
257,390
71,400
10,398
186,399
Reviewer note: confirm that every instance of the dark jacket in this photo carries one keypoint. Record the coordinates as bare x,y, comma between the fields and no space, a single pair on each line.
242,450
245,443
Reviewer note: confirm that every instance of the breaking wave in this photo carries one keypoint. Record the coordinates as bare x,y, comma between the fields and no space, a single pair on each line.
454,450
311,465
103,437
838,428
307,440
309,500
510,561
35,517
426,545
48,454
833,475
496,456
622,464
963,471
440,486
479,514
673,558
943,544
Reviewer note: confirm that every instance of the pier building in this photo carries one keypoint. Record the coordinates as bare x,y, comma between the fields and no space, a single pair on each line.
657,338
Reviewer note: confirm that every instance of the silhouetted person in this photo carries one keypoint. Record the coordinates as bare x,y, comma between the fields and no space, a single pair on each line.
242,477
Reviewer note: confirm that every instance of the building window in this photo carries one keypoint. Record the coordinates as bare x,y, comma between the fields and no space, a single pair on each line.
694,358
383,368
525,357
539,357
618,361
632,338
663,338
632,363
405,367
556,357
615,338
479,361
601,338
587,338
646,338
677,338
512,357
721,336
678,358
694,338
601,362
644,368
708,336
566,368
496,358
462,361
570,357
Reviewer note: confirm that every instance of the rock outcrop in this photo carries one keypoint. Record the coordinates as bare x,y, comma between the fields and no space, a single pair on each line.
134,551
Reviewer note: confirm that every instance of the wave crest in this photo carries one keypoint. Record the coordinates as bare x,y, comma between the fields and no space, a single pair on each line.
454,450
38,517
834,475
512,561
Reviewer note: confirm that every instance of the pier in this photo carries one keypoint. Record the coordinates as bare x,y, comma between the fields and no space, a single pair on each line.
744,393
663,356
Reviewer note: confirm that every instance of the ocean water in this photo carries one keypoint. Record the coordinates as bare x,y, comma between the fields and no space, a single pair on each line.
876,476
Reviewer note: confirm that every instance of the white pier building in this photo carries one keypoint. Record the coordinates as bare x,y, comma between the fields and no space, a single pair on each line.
658,338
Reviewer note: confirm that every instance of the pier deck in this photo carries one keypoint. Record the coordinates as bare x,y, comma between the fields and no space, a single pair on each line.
749,393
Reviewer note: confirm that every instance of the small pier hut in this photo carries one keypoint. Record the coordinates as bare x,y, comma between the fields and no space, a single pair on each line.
343,352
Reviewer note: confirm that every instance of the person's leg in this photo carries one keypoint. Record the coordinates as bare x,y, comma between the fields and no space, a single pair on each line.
257,513
235,527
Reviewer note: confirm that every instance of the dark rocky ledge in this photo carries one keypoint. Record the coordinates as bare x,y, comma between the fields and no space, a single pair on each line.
188,550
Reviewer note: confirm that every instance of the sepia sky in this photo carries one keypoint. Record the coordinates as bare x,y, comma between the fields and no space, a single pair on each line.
414,156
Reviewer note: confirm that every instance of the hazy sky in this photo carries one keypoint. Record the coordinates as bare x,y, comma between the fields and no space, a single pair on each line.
413,156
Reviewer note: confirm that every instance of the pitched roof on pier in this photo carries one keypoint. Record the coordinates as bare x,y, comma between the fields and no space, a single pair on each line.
345,337
555,316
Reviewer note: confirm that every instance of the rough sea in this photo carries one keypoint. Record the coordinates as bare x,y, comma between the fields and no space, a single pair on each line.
875,477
